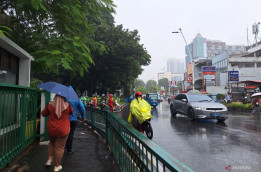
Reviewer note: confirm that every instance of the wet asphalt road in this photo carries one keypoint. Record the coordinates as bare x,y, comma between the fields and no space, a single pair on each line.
206,145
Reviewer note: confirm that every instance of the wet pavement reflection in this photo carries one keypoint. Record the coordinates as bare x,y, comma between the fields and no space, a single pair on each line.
205,145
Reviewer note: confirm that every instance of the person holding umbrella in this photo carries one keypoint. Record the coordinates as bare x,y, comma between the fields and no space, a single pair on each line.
58,128
58,125
256,105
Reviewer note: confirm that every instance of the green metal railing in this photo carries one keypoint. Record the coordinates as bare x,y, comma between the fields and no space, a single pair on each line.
131,149
18,120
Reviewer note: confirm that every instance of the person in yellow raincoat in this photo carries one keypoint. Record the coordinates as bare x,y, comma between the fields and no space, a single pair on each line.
141,110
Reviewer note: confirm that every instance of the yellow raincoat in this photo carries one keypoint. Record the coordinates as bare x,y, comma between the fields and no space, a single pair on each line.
140,109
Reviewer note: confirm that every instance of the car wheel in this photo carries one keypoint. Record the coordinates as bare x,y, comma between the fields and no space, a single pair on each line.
221,120
172,111
191,114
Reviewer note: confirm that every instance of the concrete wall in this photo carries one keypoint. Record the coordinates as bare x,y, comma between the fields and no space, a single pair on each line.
24,72
253,73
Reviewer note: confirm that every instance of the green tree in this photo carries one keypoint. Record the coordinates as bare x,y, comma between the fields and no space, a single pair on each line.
164,82
139,82
151,86
119,66
76,43
59,34
142,90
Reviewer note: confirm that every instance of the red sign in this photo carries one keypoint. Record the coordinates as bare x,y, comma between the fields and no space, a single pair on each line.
189,78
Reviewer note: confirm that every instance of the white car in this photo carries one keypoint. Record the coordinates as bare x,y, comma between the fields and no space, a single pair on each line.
197,106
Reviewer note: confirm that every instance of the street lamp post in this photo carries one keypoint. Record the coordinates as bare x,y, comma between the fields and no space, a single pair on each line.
193,76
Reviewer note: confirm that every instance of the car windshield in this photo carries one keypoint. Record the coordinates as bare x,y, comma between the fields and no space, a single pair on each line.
199,98
153,96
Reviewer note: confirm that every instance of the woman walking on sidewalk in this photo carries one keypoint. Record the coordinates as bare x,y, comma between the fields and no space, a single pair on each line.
58,128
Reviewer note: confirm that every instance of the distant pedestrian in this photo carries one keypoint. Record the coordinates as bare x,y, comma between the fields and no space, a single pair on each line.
256,105
228,98
94,100
78,107
84,100
110,102
58,128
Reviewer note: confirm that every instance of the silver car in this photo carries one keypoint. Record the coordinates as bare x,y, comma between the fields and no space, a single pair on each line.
198,106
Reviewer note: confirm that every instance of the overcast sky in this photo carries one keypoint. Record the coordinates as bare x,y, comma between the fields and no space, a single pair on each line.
224,20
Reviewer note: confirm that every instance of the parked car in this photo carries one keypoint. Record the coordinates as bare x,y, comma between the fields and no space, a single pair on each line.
198,106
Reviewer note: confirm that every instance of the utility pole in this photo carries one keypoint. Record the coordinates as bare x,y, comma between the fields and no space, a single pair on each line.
193,76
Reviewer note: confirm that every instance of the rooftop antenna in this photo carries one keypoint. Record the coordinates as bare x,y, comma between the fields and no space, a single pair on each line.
247,38
255,30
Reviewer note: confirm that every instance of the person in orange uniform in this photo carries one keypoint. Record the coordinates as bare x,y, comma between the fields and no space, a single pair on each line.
110,102
94,99
58,128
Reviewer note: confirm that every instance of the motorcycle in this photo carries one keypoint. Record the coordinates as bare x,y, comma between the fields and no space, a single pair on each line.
103,105
169,100
118,106
146,126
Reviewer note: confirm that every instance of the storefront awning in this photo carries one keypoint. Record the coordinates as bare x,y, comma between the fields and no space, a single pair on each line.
251,87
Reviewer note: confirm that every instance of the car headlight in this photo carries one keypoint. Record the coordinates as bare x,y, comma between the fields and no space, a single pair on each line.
225,109
200,108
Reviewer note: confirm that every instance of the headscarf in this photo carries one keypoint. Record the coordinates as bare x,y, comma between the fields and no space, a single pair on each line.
59,104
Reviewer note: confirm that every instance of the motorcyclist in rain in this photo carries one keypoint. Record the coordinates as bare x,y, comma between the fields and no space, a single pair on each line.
103,103
169,99
141,110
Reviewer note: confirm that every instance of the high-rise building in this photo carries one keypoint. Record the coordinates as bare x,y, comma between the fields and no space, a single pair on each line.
202,49
199,48
214,48
175,65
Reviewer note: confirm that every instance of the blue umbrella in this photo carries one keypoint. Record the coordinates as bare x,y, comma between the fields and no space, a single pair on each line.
59,89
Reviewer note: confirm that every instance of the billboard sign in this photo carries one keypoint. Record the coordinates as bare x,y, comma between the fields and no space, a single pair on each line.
208,70
233,76
189,78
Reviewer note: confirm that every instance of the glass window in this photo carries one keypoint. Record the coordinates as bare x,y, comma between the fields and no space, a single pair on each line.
199,98
7,77
249,65
178,97
258,64
153,96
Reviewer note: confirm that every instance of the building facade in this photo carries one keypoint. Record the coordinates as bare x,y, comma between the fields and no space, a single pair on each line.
206,52
235,58
15,63
175,65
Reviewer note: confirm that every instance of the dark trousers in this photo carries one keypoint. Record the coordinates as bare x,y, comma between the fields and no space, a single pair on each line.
69,141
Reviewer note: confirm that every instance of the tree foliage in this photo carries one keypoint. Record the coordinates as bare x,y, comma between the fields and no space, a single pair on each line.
151,86
119,66
164,82
76,43
142,90
58,33
138,83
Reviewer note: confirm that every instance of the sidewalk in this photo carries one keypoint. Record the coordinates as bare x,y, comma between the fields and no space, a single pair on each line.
90,154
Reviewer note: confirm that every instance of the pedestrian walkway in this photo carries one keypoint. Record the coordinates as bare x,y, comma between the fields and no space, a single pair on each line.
90,154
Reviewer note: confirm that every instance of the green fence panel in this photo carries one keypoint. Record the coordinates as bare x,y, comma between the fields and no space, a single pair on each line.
131,149
18,120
